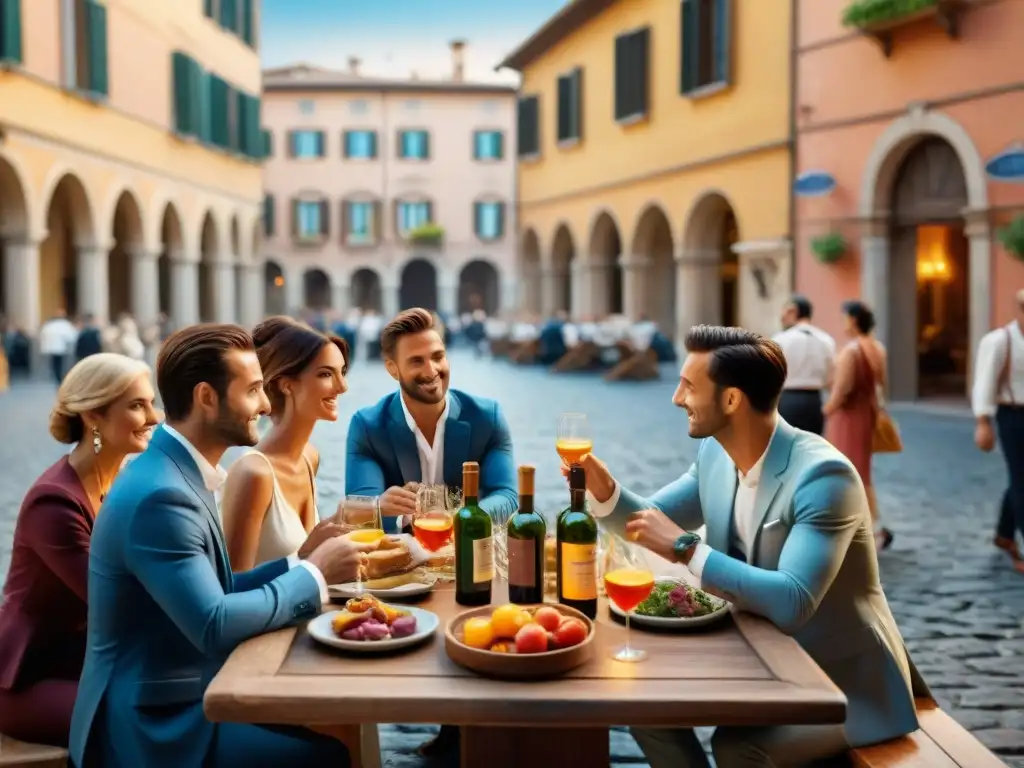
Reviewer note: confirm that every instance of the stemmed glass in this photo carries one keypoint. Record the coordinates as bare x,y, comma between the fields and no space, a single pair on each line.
573,441
432,523
627,588
361,513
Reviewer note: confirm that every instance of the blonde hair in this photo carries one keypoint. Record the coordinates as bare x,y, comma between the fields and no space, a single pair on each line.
91,385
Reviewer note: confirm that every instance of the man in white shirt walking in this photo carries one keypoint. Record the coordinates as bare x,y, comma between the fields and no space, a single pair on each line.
810,355
998,404
56,341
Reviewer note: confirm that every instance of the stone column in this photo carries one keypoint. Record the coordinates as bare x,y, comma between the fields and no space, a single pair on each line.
184,291
21,281
224,309
582,275
509,295
389,299
767,262
94,282
874,278
251,295
341,297
548,293
979,239
294,292
145,296
447,293
634,271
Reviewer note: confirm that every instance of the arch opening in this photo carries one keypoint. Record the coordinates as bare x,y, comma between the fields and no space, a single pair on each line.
274,299
316,290
563,254
418,286
13,227
531,299
170,249
653,243
365,288
70,237
711,235
479,287
208,247
128,240
606,270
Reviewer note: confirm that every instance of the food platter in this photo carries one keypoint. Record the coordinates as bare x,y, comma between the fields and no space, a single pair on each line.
394,568
327,627
722,609
412,584
512,662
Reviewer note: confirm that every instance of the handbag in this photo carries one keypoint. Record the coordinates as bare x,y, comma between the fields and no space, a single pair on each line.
886,435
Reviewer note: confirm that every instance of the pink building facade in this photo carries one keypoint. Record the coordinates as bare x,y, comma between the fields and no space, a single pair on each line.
388,194
915,131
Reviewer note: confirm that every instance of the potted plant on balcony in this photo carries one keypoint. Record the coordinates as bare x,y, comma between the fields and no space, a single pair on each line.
1011,237
429,234
866,14
830,248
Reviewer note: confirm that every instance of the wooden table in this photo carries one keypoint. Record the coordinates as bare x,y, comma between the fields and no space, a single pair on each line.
741,671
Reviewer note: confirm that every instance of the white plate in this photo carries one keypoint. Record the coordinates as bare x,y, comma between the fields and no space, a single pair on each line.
320,630
681,622
353,589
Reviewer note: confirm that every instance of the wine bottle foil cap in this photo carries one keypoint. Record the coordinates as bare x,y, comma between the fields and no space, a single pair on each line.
577,477
470,466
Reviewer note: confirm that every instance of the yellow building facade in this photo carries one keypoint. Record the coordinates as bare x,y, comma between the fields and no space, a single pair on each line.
130,160
655,161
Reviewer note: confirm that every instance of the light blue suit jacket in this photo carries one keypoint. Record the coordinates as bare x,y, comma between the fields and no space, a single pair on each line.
382,451
813,570
165,611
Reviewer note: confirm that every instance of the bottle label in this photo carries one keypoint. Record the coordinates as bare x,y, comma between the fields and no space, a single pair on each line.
522,562
483,560
579,571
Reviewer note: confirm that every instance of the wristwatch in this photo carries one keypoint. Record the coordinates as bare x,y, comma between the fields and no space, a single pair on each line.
684,546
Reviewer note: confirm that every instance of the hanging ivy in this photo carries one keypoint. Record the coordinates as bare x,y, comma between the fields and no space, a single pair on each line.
829,248
865,13
1011,237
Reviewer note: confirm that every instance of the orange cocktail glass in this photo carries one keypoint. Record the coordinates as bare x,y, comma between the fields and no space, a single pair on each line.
627,588
433,531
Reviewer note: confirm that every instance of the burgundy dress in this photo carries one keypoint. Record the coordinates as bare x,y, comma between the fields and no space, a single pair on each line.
43,616
851,427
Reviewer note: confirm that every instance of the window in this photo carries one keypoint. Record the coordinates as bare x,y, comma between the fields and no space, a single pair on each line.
268,215
412,215
488,145
413,145
359,144
307,107
84,46
306,145
706,43
360,222
10,32
528,123
489,220
309,219
631,74
266,143
570,106
235,16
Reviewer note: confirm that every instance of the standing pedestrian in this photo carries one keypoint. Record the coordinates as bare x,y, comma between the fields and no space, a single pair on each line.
810,359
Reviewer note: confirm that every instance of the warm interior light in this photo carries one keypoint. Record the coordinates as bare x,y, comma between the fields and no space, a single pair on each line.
933,262
279,281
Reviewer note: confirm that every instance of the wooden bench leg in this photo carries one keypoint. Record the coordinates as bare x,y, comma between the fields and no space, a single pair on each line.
363,742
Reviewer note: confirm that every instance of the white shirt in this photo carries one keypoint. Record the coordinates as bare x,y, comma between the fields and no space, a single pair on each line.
524,332
431,455
642,333
213,479
744,524
570,335
810,356
989,365
57,336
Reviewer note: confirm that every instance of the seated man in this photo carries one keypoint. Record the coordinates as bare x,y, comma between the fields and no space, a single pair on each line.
788,538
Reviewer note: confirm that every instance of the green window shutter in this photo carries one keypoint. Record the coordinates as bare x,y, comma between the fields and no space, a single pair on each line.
723,40
477,215
247,31
501,220
321,144
229,15
203,101
426,145
564,99
252,128
500,142
267,144
10,31
373,145
268,215
181,71
688,41
325,218
576,103
208,8
96,24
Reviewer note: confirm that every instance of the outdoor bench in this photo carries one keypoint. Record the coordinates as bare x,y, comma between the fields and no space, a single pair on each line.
14,754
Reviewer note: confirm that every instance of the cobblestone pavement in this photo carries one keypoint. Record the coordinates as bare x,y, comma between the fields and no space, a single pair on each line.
960,608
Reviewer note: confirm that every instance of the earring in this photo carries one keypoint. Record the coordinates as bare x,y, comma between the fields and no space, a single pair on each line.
97,443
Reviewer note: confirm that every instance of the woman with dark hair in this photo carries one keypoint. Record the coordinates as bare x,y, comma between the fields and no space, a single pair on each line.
861,375
269,502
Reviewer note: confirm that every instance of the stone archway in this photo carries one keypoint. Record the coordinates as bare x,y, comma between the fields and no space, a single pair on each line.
209,245
316,290
653,251
605,268
479,287
171,243
14,226
709,275
563,254
889,237
274,299
418,286
530,273
365,287
72,273
128,245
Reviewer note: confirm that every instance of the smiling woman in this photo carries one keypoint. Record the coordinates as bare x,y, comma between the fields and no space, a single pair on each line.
269,503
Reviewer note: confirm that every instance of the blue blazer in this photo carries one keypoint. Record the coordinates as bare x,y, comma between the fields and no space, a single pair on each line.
812,571
165,611
382,451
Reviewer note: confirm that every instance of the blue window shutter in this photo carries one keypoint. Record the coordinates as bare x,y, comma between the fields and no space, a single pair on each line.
346,148
500,229
325,217
723,40
688,35
426,145
321,142
96,24
373,145
10,31
477,138
478,219
402,144
499,145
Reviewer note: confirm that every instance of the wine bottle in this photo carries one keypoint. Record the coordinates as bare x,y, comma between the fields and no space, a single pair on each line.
526,530
474,544
577,549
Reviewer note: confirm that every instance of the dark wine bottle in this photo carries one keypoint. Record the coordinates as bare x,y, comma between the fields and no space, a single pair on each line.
577,549
474,544
526,530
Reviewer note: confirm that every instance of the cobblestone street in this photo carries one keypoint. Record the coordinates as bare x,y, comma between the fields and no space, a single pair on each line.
959,606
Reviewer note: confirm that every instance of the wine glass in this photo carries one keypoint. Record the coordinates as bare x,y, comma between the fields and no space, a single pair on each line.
362,514
627,588
573,441
433,522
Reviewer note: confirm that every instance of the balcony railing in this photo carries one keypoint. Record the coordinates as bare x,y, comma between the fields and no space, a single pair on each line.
879,19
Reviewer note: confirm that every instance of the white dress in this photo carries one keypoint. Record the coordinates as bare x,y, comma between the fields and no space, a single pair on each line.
282,532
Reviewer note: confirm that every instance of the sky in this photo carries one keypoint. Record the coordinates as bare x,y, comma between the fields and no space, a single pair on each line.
394,38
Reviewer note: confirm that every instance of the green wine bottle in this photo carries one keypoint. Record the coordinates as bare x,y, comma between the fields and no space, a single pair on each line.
526,530
577,549
474,544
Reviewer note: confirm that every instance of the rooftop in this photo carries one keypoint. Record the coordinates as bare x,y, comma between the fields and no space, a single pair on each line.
573,16
307,77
